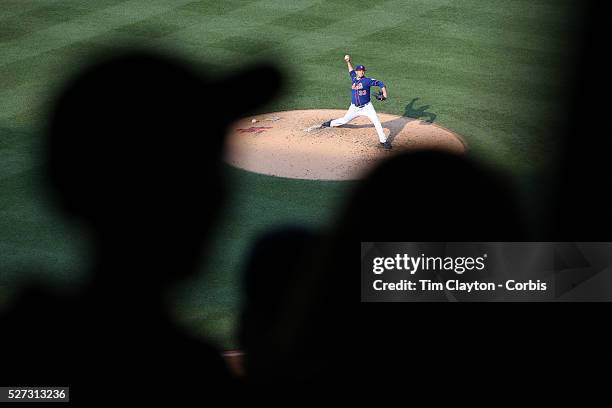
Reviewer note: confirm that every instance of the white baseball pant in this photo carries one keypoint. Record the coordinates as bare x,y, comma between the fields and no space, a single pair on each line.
365,110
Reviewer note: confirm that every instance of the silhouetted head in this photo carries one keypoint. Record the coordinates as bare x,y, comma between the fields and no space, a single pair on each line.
272,269
413,197
425,196
432,196
134,147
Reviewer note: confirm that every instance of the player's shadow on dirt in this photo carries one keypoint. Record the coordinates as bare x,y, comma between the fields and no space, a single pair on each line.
396,126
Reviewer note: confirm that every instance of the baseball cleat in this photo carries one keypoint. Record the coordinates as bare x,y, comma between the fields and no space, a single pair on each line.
387,145
326,124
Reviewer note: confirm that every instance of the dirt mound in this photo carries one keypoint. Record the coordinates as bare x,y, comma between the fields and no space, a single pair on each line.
291,144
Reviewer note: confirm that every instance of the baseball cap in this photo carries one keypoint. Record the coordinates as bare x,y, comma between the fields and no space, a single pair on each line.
360,67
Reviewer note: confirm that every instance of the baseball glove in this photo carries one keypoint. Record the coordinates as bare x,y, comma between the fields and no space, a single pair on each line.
380,96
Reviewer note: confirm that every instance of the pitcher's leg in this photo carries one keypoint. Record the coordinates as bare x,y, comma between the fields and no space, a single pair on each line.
350,114
369,111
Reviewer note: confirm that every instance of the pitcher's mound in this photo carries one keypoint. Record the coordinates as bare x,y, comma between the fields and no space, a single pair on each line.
291,144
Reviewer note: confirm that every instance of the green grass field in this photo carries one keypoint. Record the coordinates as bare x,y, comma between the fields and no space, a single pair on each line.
491,70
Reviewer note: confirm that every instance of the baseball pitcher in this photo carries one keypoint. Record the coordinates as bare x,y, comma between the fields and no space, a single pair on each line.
360,101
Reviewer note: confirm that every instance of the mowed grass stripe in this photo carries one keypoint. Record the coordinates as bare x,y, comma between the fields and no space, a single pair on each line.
250,25
11,8
24,97
18,153
484,69
503,111
82,28
523,22
544,10
14,162
218,40
477,83
239,50
461,61
485,44
504,95
46,15
179,18
240,47
234,48
449,87
12,136
158,25
21,89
